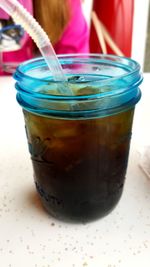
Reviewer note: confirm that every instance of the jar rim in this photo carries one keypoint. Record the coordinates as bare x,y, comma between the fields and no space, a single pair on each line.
109,94
133,67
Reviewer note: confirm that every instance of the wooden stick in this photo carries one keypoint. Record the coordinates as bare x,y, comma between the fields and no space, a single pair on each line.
101,28
99,32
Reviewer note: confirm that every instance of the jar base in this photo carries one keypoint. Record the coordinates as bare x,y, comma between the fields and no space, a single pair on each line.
86,213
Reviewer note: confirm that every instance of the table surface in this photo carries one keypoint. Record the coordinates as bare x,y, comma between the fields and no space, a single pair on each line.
30,237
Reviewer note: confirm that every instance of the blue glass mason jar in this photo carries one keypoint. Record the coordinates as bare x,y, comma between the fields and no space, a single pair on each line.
79,143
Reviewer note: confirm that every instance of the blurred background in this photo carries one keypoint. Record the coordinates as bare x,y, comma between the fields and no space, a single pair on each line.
147,47
128,22
119,27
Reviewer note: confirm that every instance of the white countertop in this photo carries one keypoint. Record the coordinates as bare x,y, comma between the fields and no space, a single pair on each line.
30,237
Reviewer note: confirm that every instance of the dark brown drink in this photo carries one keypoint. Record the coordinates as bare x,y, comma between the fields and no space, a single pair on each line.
79,165
79,130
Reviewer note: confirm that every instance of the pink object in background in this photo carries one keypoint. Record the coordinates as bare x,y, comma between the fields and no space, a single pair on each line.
75,38
25,52
3,15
